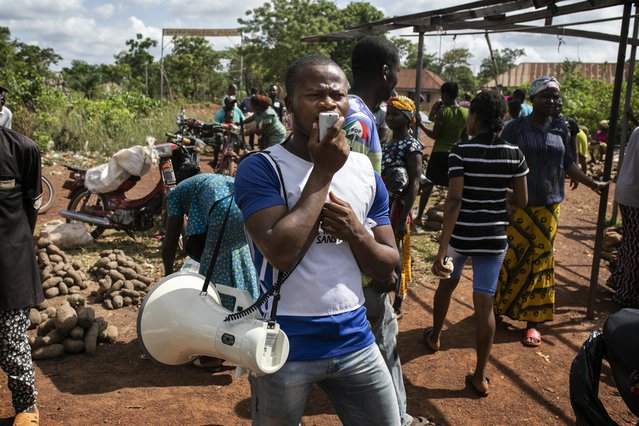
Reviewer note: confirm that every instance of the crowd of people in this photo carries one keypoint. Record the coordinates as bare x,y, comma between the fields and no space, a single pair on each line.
335,215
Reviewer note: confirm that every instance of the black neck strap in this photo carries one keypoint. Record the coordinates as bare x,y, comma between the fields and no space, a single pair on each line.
218,244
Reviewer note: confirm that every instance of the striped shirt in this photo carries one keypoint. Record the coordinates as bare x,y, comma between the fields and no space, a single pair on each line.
488,166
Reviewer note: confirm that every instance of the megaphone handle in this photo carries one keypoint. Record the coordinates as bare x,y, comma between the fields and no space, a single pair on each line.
276,299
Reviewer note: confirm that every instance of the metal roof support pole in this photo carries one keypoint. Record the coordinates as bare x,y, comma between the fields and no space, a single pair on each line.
162,67
418,80
603,201
626,106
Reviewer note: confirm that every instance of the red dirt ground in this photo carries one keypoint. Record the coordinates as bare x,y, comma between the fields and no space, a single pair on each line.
528,386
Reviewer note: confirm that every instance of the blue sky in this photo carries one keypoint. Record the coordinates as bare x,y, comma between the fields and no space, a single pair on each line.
94,31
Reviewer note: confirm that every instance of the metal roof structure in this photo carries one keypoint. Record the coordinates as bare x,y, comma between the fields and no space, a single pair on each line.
486,16
527,72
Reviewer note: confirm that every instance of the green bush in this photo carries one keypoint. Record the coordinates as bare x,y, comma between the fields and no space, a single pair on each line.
74,123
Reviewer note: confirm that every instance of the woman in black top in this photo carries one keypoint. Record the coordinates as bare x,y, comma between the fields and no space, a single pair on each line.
480,172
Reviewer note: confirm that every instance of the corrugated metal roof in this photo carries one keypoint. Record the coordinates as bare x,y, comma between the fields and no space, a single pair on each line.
406,81
527,72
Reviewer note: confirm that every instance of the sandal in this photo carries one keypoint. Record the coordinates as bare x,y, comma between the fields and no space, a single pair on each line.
532,338
427,332
209,363
421,421
27,419
471,385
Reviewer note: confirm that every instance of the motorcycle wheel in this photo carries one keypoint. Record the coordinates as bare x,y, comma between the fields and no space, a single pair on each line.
48,195
82,199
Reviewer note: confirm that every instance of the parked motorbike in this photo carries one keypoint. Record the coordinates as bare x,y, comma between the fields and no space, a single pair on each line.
226,140
114,210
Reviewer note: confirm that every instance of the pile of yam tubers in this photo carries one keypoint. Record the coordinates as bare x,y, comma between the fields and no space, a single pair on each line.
71,328
59,274
121,280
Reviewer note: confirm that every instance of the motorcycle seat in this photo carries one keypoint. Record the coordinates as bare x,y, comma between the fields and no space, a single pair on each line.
75,168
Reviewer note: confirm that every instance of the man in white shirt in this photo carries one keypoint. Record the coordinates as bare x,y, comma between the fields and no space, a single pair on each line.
5,113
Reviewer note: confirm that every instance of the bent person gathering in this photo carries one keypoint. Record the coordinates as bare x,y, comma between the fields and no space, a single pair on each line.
318,225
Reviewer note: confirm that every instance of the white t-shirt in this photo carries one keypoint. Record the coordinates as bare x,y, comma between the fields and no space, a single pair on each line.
321,306
5,117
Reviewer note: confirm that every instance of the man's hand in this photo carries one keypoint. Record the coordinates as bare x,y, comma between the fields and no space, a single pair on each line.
599,186
385,286
330,154
339,220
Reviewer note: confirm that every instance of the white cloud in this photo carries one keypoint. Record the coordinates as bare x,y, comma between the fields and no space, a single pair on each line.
222,13
30,9
104,11
146,2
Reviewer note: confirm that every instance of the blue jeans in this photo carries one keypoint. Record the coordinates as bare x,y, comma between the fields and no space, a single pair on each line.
383,321
358,385
485,270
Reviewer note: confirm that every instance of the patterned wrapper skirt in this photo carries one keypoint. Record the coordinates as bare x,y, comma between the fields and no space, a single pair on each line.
403,243
526,287
625,277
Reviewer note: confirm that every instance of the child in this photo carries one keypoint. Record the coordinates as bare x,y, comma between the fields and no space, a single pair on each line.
481,171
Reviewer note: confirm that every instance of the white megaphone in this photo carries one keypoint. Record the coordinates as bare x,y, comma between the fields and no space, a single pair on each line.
177,324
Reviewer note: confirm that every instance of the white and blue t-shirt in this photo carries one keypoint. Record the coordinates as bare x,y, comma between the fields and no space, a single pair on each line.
321,307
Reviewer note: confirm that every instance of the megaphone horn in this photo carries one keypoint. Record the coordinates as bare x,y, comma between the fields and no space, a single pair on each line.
177,324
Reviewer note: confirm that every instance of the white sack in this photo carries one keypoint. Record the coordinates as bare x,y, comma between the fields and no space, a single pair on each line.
66,235
127,162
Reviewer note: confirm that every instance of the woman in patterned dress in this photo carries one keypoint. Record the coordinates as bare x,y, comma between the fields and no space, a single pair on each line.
205,199
526,287
402,151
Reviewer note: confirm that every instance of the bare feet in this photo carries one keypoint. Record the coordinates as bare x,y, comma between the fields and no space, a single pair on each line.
433,345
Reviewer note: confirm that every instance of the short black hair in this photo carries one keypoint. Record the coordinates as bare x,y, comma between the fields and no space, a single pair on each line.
370,54
514,107
451,88
519,94
294,69
490,107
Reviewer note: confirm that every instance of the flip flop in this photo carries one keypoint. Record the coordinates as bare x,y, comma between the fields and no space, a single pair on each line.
210,364
427,332
532,338
421,421
471,385
27,419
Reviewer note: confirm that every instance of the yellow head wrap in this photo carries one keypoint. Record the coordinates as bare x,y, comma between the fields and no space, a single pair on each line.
406,106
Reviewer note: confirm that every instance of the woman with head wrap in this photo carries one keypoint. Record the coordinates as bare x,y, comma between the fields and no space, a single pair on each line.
269,127
401,156
526,288
480,173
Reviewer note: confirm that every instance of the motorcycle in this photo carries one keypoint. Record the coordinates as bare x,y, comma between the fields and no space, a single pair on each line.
226,140
113,210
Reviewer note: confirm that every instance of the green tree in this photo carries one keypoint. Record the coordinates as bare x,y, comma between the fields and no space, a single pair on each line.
355,13
466,80
505,59
452,61
191,66
138,58
24,68
272,34
429,60
83,77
